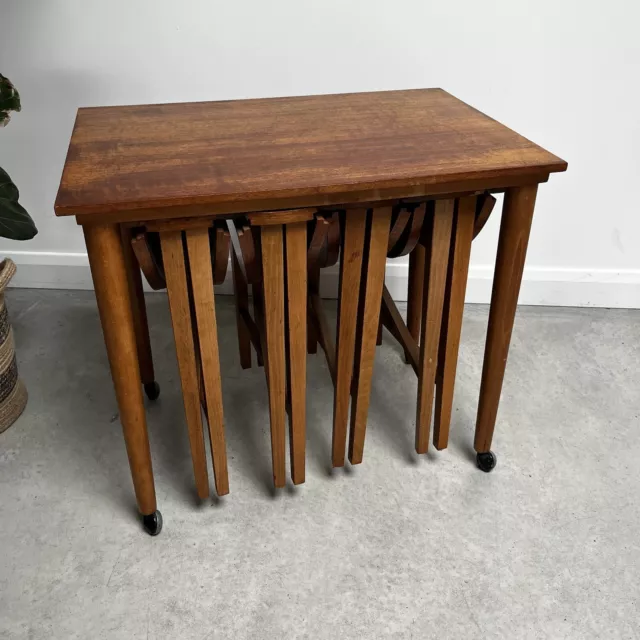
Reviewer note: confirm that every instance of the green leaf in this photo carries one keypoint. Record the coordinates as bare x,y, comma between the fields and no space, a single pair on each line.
9,97
15,222
8,190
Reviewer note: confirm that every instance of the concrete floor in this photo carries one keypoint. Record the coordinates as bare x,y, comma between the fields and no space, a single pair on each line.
546,546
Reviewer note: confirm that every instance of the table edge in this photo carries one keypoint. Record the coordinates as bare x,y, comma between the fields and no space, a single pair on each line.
254,201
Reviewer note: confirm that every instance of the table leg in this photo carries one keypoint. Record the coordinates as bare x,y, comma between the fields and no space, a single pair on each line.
435,277
296,257
273,292
414,293
179,304
257,293
452,318
140,322
352,238
313,275
241,297
517,214
109,273
368,318
207,330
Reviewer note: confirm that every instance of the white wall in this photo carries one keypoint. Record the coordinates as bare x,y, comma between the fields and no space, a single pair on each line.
563,73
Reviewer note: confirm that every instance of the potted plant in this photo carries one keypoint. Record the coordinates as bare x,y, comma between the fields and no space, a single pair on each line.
16,224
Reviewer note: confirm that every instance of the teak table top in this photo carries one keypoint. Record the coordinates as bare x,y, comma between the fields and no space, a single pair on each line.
150,161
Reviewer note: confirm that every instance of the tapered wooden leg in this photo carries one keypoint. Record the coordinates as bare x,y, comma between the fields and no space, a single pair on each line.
368,319
176,276
257,293
414,294
436,260
273,292
139,311
205,310
109,273
314,286
296,257
517,214
352,240
459,255
242,304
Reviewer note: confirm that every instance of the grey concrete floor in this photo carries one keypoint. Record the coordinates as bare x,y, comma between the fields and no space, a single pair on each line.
546,546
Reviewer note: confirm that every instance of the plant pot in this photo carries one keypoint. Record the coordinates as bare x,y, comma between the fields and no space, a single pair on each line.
13,394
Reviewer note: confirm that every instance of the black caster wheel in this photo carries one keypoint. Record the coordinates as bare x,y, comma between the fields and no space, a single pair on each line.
486,461
152,389
152,523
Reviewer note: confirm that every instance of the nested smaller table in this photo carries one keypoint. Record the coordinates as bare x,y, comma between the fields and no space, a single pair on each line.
177,168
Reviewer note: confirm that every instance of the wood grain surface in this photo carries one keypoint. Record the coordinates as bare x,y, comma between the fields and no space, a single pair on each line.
272,248
156,156
453,309
296,308
353,236
205,310
435,279
517,213
108,270
178,291
371,287
144,253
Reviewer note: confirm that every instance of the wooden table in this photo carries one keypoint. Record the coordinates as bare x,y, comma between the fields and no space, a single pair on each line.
174,165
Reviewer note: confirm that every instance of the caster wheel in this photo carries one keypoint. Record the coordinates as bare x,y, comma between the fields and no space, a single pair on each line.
152,389
486,461
152,523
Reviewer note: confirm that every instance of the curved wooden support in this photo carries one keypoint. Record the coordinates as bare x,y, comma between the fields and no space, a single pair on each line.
318,239
484,207
333,240
146,249
247,270
399,221
220,241
247,254
412,233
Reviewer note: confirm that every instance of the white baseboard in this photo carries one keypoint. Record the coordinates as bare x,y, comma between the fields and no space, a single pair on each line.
563,287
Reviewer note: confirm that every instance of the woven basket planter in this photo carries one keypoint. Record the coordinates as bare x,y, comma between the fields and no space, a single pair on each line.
13,394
